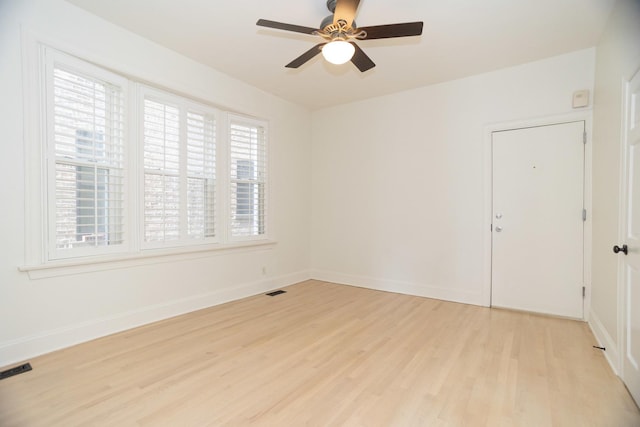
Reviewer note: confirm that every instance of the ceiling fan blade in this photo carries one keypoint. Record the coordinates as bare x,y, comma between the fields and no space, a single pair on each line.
361,60
311,53
346,11
286,27
406,29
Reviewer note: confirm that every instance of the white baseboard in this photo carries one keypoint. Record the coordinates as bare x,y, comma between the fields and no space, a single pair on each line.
16,351
408,288
604,340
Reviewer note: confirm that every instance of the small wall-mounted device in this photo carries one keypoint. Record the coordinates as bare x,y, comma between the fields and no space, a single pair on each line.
580,98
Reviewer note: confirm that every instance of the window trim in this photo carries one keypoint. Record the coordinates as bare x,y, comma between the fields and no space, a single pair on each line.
37,260
152,256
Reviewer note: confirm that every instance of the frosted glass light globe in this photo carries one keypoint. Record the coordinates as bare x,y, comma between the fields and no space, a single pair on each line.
338,52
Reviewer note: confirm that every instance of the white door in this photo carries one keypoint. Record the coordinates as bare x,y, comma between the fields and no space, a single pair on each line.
630,255
538,228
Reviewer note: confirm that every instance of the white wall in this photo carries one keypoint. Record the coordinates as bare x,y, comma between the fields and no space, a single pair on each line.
618,58
37,316
399,181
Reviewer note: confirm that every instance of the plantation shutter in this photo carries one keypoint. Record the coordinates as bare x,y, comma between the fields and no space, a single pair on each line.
161,172
87,124
248,177
179,155
88,165
201,172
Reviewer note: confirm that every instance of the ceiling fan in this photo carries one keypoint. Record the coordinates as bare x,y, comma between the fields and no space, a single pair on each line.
339,31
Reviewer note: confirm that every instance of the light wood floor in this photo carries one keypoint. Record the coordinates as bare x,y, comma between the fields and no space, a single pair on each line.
327,355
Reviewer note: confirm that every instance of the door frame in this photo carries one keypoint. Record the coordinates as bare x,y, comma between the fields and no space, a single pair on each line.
583,115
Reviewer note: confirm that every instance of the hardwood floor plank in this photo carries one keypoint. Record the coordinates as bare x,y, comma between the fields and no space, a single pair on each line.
325,354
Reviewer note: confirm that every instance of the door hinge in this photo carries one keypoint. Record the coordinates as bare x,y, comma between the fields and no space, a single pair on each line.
584,137
584,214
584,292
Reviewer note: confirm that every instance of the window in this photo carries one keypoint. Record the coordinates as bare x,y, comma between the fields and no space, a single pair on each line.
86,161
118,182
248,177
179,170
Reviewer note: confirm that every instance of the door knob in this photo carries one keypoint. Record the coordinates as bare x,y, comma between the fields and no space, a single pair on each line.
622,249
498,229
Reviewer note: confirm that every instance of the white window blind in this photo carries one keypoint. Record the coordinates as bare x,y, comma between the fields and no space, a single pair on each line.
248,177
86,161
179,171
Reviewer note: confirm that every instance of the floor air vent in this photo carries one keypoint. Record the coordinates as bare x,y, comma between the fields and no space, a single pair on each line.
274,293
15,371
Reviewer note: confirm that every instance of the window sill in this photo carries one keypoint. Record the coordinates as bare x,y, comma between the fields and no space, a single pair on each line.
146,257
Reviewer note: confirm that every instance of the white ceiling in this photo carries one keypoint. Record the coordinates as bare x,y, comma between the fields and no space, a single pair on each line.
460,38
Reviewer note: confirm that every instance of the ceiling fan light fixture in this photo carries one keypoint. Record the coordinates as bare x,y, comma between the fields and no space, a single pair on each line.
338,52
339,33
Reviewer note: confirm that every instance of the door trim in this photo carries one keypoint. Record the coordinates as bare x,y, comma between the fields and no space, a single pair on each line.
489,129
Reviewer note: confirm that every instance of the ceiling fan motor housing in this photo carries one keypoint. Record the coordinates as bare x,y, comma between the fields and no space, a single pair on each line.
328,21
